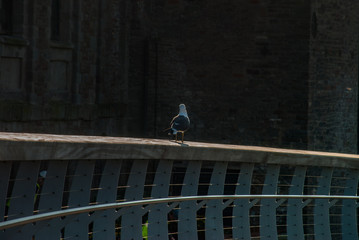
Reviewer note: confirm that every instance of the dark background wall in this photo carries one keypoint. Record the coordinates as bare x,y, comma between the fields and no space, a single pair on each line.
333,81
253,72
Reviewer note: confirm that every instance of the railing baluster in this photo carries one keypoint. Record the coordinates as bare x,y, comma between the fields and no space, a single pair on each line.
80,196
104,225
349,212
241,220
73,203
157,218
5,169
321,208
295,228
51,198
21,203
187,224
214,211
132,218
268,222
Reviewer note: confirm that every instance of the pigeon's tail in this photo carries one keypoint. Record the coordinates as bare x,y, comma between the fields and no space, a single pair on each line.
168,130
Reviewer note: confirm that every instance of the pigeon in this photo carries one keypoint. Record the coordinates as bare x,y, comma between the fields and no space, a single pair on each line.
179,123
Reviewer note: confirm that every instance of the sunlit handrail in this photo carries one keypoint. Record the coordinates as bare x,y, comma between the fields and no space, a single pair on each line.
99,207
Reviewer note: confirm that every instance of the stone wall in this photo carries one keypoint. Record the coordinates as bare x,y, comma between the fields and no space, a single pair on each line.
70,82
333,81
253,72
240,66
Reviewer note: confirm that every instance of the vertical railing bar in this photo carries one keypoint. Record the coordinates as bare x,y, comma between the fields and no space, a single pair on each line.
82,182
104,225
268,213
241,211
53,184
187,225
349,212
321,208
24,205
295,229
5,170
214,211
157,218
132,226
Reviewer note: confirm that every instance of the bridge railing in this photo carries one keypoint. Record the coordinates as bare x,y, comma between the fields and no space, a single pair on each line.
125,188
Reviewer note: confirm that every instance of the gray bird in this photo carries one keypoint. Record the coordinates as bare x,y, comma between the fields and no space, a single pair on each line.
179,123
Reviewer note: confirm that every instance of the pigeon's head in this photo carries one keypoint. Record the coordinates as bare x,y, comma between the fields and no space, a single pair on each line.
182,109
182,106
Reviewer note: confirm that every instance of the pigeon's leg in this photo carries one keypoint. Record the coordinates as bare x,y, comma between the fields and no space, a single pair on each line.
182,136
176,136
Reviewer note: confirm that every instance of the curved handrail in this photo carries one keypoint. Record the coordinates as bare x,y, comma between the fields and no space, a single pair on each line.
99,207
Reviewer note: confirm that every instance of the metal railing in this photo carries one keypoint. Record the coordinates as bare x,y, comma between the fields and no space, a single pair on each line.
123,188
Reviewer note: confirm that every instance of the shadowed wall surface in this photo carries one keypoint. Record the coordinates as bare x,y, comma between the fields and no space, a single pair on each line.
279,74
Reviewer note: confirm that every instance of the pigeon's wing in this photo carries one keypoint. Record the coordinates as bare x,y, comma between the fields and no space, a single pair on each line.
180,123
173,120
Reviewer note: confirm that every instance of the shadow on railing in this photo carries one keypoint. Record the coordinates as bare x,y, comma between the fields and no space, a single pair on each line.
123,188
